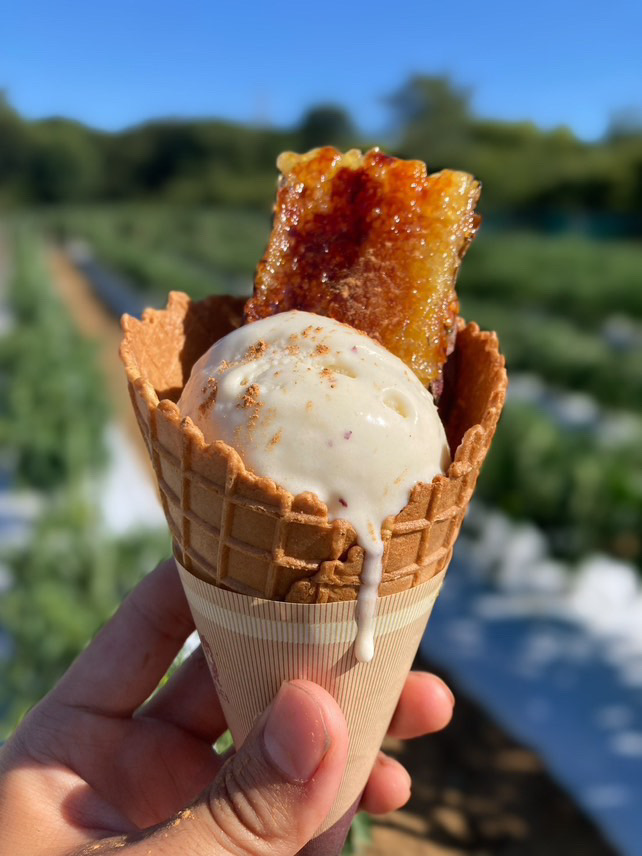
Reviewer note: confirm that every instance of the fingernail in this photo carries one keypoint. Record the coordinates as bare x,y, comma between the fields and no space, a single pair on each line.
447,692
387,761
294,735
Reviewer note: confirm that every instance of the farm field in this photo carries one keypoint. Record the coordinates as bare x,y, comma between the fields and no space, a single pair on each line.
66,576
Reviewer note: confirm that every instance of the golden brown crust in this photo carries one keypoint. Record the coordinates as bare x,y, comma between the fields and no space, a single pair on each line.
372,241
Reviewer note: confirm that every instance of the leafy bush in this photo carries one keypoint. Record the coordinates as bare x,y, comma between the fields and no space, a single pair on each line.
53,409
582,487
67,581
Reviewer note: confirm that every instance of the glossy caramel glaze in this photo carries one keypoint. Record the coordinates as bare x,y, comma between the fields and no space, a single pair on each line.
375,242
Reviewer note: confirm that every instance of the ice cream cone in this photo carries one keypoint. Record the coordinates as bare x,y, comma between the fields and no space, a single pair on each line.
247,534
272,582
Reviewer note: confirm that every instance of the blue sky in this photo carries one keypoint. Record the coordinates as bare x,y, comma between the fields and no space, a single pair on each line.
113,64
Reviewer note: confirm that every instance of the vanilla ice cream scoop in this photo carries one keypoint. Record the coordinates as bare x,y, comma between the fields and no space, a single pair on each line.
317,406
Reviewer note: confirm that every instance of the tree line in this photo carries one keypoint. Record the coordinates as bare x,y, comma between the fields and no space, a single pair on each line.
527,172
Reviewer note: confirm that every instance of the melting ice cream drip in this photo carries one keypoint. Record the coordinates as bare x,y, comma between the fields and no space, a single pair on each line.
367,602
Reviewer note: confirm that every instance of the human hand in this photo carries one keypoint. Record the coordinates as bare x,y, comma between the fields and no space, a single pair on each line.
99,767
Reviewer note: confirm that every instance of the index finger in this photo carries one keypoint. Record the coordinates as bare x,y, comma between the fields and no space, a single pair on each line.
122,666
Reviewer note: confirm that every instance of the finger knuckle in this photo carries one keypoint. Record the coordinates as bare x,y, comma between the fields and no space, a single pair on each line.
249,814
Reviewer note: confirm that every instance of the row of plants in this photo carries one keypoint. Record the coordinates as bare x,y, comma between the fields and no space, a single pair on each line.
69,574
200,251
609,368
582,487
570,277
52,406
227,239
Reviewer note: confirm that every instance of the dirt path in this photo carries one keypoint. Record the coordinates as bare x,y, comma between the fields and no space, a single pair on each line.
97,324
478,792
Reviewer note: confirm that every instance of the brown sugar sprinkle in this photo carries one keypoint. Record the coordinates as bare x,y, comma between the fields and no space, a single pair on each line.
250,400
210,391
327,373
252,353
250,397
321,350
256,350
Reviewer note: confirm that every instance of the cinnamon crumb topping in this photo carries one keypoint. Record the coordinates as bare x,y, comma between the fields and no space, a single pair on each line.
250,397
321,350
209,391
256,350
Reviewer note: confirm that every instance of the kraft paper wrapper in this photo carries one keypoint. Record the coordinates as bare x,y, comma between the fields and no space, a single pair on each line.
253,645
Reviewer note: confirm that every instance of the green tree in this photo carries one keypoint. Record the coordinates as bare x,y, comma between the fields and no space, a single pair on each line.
15,146
326,125
434,119
65,162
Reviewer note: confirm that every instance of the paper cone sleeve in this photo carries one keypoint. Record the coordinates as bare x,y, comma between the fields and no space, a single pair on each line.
272,582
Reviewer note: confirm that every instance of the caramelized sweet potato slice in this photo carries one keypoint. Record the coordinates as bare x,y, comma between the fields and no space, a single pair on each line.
373,241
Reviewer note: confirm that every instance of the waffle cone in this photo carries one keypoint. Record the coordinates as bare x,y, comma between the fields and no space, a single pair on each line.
247,534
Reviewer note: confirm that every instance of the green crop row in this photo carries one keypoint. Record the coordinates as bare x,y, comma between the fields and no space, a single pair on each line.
52,407
569,277
68,575
228,243
582,487
563,354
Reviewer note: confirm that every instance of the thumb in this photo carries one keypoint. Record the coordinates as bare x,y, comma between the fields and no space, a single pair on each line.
274,793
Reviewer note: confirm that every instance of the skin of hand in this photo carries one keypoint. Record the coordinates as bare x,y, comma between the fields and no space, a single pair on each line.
99,767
